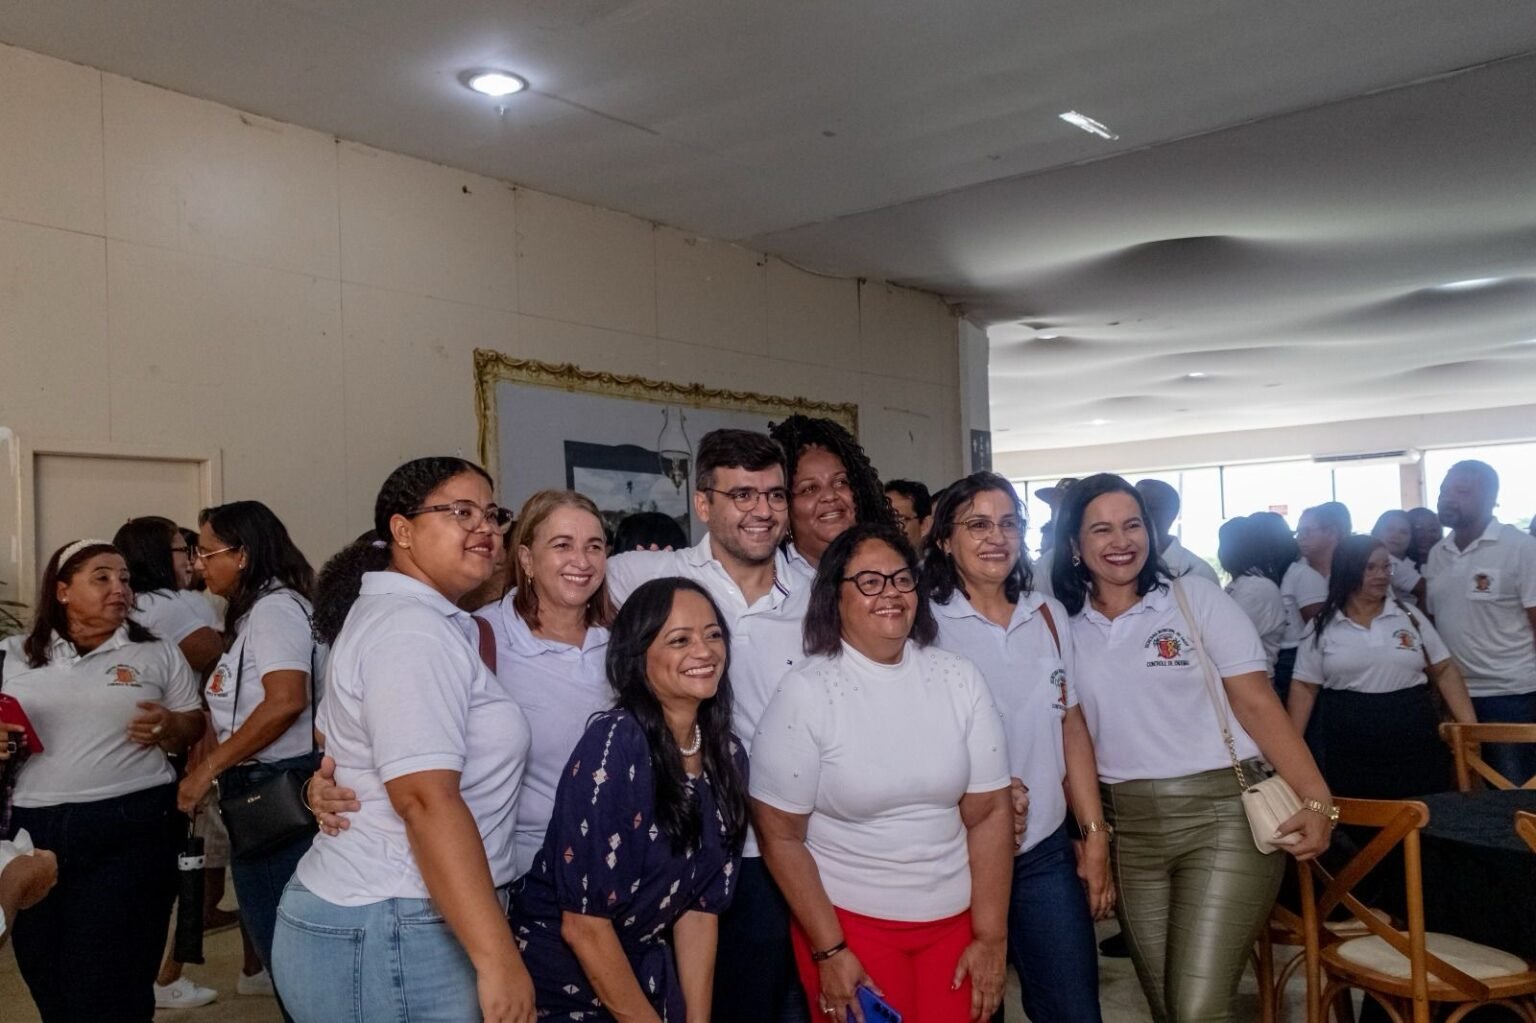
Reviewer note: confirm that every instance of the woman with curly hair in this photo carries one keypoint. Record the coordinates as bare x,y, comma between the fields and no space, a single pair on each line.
831,486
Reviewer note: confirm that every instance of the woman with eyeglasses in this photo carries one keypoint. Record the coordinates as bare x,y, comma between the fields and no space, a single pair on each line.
831,486
880,797
980,585
1368,662
402,914
159,566
261,692
1395,530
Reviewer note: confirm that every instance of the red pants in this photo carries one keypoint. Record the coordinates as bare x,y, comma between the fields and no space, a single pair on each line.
912,963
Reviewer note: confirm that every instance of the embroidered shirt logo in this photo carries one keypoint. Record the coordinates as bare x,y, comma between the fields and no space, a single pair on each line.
1482,582
1405,640
1169,646
124,675
1059,683
216,681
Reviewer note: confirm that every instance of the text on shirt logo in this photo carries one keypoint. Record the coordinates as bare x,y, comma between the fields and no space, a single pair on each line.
1059,683
124,675
1170,646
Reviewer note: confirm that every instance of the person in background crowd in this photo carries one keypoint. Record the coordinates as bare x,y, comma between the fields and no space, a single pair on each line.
979,584
261,693
1371,661
619,915
1427,532
27,875
1052,496
647,531
914,509
897,869
159,563
1164,503
1305,585
831,486
1193,891
1277,553
1395,532
434,747
1243,556
741,498
108,699
1482,594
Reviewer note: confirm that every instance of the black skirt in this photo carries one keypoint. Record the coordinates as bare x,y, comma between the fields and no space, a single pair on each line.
1382,745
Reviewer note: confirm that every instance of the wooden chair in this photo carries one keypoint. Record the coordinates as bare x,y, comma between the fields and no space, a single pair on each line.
1466,747
1525,827
1405,971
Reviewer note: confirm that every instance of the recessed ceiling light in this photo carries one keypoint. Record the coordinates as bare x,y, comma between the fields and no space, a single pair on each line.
1467,285
493,83
1196,375
1098,422
1088,124
1047,337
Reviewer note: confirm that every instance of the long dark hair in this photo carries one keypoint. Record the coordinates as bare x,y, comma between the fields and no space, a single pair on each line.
270,556
798,432
145,543
940,576
1345,577
1277,544
51,614
636,627
1242,549
1070,581
824,616
402,493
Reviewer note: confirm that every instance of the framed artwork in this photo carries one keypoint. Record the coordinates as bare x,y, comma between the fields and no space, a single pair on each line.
626,442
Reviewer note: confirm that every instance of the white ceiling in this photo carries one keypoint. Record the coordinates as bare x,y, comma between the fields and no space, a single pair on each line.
1291,182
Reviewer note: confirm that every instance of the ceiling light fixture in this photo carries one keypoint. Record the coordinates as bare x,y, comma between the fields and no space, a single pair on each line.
1196,375
1047,337
1088,124
1467,285
1098,422
493,83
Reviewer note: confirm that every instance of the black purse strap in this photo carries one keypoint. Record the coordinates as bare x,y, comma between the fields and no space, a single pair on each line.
314,747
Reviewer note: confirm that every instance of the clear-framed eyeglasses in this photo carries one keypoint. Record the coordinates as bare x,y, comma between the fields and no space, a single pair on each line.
470,515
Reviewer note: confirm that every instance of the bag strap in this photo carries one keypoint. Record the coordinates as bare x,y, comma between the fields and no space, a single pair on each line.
1050,623
1212,684
314,747
487,643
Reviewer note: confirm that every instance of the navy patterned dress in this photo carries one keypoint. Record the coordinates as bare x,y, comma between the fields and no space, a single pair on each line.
604,855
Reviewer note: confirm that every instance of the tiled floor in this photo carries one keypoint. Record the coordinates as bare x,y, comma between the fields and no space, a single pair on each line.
1120,995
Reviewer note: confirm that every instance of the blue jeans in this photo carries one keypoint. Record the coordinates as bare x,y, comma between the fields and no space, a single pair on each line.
1050,935
390,960
1515,762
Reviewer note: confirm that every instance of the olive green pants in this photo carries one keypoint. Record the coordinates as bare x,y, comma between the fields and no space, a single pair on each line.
1193,891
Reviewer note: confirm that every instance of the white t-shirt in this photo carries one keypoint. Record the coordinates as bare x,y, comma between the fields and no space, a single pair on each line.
558,687
1479,598
1031,685
1302,586
275,635
80,705
408,693
1182,563
879,756
169,617
1142,688
1260,600
1404,578
1382,658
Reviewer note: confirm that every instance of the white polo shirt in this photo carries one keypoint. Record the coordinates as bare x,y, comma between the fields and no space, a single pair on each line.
274,635
1141,687
169,617
1479,598
801,571
408,693
1301,586
1031,685
1260,600
558,687
1404,578
80,705
1182,563
879,756
1383,657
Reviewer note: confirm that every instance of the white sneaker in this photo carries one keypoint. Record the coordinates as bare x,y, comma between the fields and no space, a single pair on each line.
255,984
183,993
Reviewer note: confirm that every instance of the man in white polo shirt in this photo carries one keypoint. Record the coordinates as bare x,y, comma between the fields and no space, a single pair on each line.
1164,503
742,498
1482,593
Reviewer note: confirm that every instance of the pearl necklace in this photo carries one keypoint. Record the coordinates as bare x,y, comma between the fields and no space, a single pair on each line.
698,742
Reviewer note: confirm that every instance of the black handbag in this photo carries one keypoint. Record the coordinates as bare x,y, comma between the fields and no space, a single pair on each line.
270,813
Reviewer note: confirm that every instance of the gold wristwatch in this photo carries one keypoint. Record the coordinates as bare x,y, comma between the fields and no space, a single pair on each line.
1328,810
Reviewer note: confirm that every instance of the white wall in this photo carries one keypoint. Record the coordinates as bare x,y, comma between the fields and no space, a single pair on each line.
176,276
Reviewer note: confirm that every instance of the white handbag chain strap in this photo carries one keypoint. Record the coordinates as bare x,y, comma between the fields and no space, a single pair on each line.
1208,672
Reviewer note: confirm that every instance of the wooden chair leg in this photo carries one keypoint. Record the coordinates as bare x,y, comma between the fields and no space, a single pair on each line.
1264,973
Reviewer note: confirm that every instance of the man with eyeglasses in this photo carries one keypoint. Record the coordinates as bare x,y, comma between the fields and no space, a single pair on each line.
741,497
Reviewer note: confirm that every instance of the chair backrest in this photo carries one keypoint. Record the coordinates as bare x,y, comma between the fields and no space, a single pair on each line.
1466,742
1525,827
1395,823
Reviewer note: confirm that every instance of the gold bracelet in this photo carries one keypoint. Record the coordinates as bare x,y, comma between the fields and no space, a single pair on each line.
1097,828
1328,810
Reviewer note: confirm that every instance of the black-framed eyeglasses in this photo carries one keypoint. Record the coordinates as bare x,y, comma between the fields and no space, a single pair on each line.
872,583
470,515
746,498
981,527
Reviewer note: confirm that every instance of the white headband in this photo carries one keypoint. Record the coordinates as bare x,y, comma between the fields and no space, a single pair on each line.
71,550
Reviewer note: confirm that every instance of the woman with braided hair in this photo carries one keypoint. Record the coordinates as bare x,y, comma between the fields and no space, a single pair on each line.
831,486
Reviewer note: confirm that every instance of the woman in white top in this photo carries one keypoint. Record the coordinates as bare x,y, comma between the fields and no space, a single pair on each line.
1367,662
159,558
106,699
880,797
1193,889
980,586
1395,530
402,915
1243,557
260,694
832,485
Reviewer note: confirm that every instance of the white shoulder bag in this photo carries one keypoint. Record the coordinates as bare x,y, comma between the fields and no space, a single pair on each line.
1268,803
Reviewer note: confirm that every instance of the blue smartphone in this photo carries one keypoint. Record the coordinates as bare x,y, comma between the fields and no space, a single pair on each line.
876,1009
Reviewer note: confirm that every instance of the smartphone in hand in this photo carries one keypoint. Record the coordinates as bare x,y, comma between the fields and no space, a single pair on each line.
12,714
